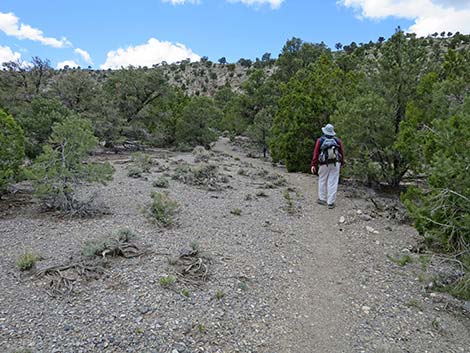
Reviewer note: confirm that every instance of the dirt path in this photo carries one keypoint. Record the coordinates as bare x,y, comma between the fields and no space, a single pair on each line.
342,294
285,274
312,309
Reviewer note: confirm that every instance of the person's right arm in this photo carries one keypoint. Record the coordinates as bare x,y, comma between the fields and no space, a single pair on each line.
316,153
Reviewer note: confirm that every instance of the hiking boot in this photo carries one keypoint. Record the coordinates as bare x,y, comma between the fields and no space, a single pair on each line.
331,206
321,202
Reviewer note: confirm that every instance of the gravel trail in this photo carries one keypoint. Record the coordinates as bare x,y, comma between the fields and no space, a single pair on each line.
285,274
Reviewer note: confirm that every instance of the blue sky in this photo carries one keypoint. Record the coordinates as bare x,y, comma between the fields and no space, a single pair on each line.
141,32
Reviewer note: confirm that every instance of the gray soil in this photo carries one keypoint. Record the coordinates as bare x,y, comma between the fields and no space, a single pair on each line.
298,278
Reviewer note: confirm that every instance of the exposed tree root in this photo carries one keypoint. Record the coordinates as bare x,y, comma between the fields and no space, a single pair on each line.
192,268
62,278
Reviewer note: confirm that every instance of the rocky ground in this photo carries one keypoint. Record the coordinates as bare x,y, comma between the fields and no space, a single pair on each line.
284,274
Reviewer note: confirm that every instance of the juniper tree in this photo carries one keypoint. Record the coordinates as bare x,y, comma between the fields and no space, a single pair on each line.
11,149
63,164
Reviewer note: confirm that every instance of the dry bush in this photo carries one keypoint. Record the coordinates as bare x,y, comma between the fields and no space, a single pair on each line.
200,154
191,266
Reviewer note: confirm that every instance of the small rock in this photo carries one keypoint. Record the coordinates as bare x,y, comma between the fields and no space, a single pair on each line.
466,306
365,217
359,212
371,230
342,219
366,309
143,309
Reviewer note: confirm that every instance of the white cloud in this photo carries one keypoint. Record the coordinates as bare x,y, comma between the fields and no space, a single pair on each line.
148,54
11,26
429,15
182,2
84,54
69,63
275,4
7,55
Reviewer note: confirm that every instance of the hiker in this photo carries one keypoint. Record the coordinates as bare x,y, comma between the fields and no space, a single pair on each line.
328,157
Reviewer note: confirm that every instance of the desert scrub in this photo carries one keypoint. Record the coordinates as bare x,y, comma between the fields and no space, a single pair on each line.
26,261
117,243
162,209
167,281
200,154
142,161
161,182
181,172
134,172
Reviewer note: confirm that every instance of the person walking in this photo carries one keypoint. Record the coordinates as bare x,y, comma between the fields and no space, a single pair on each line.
327,159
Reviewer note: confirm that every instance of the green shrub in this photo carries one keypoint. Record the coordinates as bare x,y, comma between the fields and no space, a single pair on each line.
162,209
161,182
441,211
12,144
167,281
27,261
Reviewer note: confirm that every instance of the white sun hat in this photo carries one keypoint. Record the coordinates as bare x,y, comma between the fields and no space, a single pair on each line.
329,130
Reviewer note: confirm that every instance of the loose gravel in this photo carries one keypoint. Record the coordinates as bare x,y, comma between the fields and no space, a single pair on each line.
284,273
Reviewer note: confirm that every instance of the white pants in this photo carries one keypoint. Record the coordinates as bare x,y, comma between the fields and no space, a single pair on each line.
328,182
